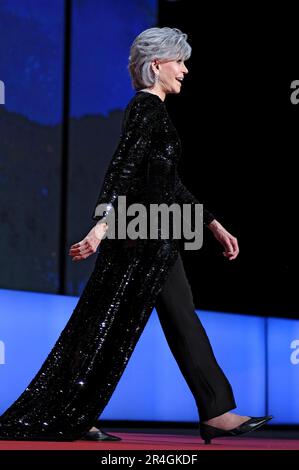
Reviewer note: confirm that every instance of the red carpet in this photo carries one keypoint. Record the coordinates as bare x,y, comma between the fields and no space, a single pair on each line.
148,441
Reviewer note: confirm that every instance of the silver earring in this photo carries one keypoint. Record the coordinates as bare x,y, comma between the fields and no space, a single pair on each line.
156,77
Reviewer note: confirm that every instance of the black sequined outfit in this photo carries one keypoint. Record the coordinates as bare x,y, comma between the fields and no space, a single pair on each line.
81,372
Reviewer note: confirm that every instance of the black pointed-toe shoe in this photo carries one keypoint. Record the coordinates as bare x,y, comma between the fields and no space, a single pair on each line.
208,433
100,436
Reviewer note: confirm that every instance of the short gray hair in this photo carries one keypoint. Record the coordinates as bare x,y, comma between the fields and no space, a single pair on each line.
155,43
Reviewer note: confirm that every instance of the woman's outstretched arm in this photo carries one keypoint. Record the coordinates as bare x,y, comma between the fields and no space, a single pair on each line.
227,240
183,196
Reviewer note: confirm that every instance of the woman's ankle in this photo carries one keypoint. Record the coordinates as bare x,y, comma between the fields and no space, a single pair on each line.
227,421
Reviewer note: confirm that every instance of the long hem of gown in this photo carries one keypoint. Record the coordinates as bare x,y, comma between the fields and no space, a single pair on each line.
112,311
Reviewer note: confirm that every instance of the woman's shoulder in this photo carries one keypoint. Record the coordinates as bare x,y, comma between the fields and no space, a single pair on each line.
144,108
146,102
144,96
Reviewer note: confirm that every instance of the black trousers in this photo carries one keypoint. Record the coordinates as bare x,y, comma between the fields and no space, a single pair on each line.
191,347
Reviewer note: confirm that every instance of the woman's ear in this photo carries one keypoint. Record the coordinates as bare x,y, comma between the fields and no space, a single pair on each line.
155,66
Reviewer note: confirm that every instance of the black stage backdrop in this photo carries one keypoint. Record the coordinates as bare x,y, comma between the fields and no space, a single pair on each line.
240,137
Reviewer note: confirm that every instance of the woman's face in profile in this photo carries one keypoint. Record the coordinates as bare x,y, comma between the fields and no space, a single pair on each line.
171,75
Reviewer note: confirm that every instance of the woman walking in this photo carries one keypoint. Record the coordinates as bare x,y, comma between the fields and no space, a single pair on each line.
131,277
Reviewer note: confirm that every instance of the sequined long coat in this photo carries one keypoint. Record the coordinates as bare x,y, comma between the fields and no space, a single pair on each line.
81,372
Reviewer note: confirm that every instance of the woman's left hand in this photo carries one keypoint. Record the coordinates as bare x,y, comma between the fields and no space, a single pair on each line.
88,246
230,243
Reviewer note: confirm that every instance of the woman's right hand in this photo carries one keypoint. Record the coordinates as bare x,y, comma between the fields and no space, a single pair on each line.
228,241
88,246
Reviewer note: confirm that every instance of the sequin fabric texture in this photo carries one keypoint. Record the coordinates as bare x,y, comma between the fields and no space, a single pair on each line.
77,379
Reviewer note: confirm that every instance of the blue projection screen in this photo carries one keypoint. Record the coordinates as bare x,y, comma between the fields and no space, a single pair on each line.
32,69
